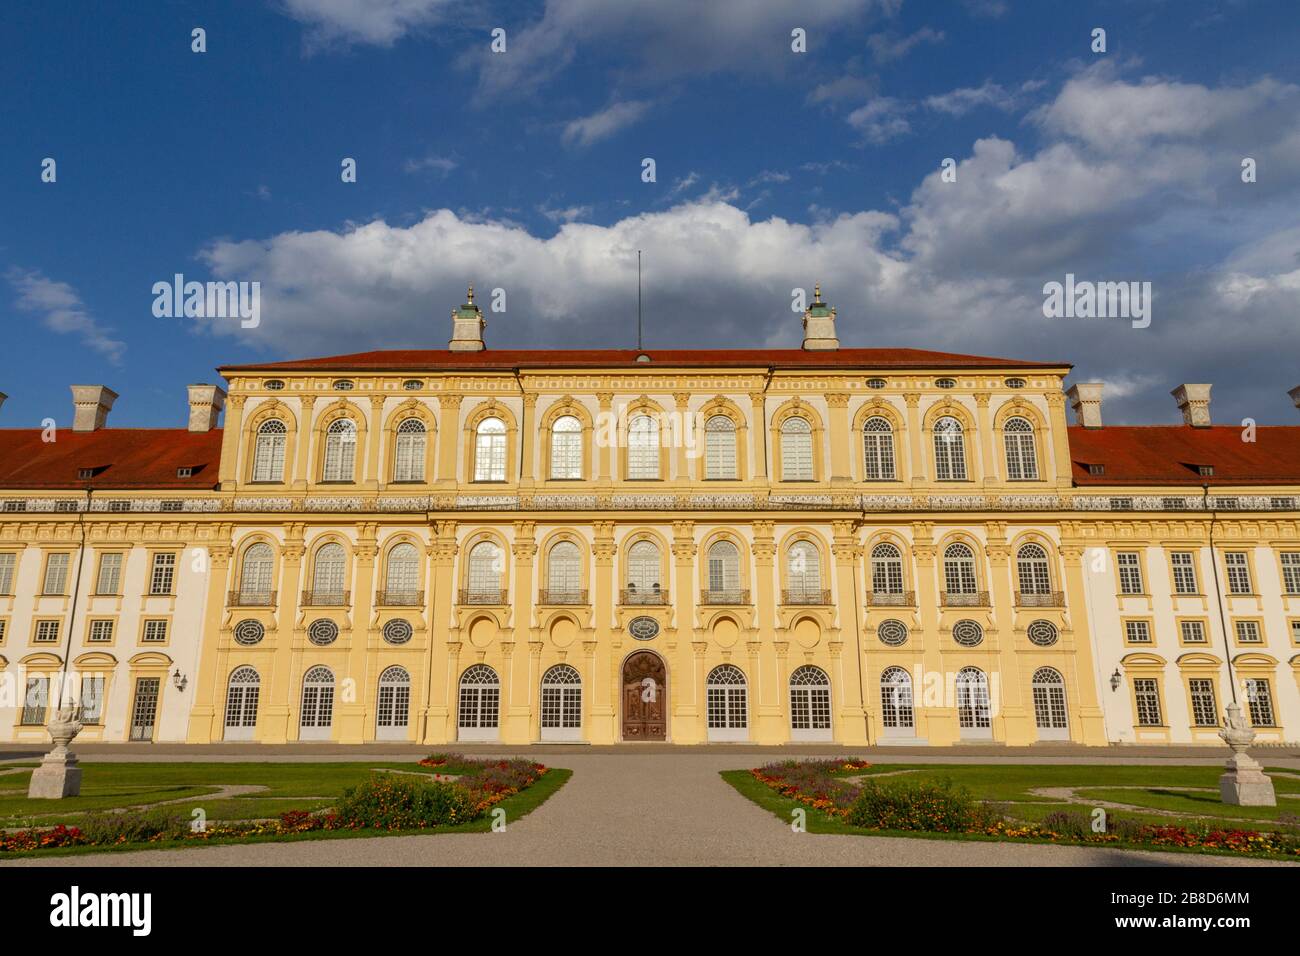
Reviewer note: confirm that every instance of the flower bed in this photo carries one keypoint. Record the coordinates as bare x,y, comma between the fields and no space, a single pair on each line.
942,808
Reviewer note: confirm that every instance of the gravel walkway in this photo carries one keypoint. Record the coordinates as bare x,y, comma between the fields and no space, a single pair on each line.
642,810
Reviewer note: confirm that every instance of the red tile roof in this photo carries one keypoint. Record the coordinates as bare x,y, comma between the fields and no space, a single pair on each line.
1170,455
430,360
124,459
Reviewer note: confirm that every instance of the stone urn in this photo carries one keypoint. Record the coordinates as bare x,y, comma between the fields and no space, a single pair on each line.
1244,784
58,775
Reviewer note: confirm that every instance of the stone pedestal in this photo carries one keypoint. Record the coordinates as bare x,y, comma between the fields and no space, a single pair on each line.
57,777
1245,784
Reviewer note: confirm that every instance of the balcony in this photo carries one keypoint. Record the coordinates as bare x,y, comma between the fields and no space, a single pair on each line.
964,598
1040,599
553,596
891,598
805,596
251,599
633,596
482,596
325,598
724,596
403,598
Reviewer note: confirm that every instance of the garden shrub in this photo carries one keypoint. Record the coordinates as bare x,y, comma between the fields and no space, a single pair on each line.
393,802
919,805
133,826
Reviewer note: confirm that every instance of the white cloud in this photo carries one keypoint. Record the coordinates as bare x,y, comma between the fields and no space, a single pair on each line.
442,165
61,310
566,214
882,119
843,88
373,22
604,123
961,101
887,47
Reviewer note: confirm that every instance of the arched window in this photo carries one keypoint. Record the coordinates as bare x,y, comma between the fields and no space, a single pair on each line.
643,570
317,704
1031,570
796,450
878,448
408,461
486,563
490,450
719,447
480,702
886,570
724,573
566,448
1022,459
1049,704
561,703
643,447
256,586
728,703
564,574
268,453
241,703
896,699
949,450
973,702
328,575
804,574
810,704
959,569
402,575
340,450
393,708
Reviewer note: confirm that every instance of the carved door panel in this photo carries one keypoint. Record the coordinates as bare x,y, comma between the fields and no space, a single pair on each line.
645,698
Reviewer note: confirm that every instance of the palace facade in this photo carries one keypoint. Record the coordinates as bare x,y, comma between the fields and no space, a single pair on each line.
859,546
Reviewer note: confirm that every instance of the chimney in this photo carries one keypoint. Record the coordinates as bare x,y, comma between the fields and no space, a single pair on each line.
1294,393
467,326
1085,402
206,402
1194,403
90,404
819,324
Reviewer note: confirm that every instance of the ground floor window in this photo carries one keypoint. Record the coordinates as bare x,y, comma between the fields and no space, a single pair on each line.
561,703
317,704
1049,704
1205,709
242,694
480,703
144,707
973,712
810,704
1146,697
727,699
393,707
896,699
1259,698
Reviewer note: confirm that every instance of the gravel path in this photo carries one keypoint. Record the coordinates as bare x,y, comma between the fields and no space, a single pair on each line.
642,810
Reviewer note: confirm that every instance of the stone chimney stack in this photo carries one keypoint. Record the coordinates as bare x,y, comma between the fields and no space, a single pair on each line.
819,324
1085,402
1294,393
206,403
90,405
1194,403
467,326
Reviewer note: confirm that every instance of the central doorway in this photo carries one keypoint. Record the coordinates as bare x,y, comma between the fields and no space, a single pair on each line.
645,697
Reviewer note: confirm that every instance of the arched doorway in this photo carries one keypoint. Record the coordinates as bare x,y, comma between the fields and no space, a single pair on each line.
393,706
480,704
727,700
1049,705
561,704
241,703
645,697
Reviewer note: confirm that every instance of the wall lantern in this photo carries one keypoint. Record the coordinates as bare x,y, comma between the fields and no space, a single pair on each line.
179,680
1116,679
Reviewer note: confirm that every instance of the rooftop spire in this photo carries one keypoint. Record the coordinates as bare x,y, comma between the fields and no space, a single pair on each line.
819,324
467,325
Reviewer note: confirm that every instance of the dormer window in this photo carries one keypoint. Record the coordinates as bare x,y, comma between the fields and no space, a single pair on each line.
85,474
413,385
273,384
1097,470
876,383
945,383
1205,471
1014,383
343,385
184,472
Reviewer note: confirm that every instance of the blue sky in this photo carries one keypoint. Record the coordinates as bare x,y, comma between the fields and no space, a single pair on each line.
775,169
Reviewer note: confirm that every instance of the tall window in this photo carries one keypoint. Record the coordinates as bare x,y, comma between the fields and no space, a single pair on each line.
92,700
242,695
561,703
566,448
1031,570
643,447
163,574
564,573
878,449
1146,697
327,577
959,569
7,563
485,566
408,459
1022,459
1130,572
886,570
268,452
973,699
727,699
255,576
480,703
796,450
810,703
1238,572
1205,710
35,700
719,447
724,569
402,576
949,450
1290,572
804,571
317,704
340,450
1259,699
393,708
1184,565
643,567
56,574
109,580
896,698
490,450
1049,699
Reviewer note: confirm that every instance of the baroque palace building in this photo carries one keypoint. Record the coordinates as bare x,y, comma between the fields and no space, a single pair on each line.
859,546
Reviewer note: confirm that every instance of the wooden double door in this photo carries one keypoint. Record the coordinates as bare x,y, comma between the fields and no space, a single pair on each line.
645,697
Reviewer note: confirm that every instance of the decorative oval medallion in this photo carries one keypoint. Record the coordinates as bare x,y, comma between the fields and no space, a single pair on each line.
1042,633
643,628
248,632
967,633
893,633
398,631
323,631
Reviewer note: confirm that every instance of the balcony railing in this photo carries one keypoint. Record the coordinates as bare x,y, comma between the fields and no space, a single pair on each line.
403,598
805,596
891,598
724,596
251,599
326,598
964,598
482,596
1040,599
634,596
554,596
